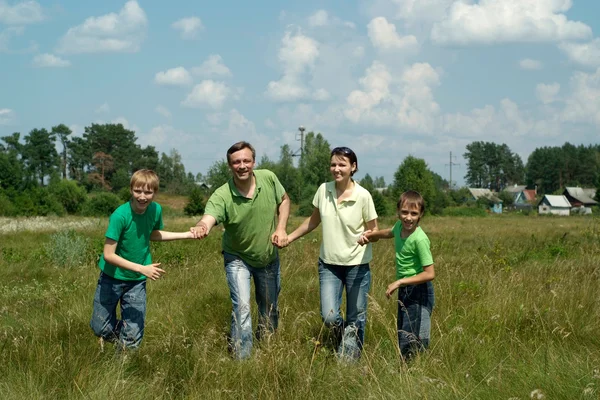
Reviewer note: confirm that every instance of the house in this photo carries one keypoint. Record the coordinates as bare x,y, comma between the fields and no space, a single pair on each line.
477,193
581,199
554,204
522,197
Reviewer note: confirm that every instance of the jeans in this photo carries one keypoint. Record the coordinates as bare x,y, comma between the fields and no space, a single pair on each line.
357,280
415,304
128,331
267,284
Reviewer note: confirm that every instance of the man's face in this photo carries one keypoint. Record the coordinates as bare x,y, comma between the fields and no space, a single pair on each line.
241,164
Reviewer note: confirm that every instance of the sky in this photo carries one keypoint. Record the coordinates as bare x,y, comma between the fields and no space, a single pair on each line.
387,78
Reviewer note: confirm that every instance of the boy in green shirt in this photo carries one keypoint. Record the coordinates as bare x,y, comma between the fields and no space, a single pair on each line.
126,262
414,273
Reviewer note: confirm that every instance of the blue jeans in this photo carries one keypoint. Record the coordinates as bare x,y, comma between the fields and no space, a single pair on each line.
357,280
131,295
267,284
415,304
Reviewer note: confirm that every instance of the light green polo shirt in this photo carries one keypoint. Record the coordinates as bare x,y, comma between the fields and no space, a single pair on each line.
412,253
249,223
343,224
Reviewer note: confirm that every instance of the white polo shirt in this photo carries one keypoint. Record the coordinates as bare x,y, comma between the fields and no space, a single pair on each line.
343,224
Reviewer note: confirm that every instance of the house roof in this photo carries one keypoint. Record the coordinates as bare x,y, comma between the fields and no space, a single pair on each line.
581,195
556,200
479,192
529,194
515,188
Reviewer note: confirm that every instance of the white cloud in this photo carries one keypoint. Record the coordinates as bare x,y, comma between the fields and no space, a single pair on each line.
586,54
321,95
383,35
6,116
270,124
212,67
207,93
547,93
530,64
582,104
410,108
320,18
103,109
189,27
25,12
358,52
297,54
178,76
50,61
500,21
162,110
122,32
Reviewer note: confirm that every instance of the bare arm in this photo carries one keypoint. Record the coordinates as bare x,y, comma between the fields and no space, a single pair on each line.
427,275
164,236
203,227
280,237
308,225
374,235
150,271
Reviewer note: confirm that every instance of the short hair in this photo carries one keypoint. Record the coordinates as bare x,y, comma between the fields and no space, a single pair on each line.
144,177
412,197
240,146
348,153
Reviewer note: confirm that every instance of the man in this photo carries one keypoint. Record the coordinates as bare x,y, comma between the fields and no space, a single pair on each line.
253,208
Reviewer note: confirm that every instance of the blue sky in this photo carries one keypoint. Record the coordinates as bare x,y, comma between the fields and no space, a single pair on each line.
387,78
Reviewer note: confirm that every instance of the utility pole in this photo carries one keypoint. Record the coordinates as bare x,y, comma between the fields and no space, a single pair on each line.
301,151
450,164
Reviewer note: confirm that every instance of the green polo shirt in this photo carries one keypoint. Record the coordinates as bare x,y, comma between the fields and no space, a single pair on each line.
343,224
249,223
412,253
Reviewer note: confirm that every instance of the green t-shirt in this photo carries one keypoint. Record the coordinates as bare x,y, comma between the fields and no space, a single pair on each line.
412,253
132,232
249,223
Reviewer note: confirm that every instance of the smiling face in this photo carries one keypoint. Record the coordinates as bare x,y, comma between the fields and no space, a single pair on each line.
409,214
341,168
241,164
141,197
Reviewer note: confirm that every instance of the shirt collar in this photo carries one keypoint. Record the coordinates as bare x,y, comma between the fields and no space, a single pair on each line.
353,196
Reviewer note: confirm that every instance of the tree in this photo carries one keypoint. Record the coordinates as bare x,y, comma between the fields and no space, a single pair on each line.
103,164
413,174
492,166
314,164
79,157
62,132
218,174
379,182
288,175
40,153
367,183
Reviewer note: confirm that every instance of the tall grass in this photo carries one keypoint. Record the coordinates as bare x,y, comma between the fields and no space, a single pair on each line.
516,317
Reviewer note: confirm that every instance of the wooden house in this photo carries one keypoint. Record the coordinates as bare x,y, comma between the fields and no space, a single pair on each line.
582,200
554,204
477,193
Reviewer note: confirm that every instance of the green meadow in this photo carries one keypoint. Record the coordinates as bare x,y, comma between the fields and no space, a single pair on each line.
516,317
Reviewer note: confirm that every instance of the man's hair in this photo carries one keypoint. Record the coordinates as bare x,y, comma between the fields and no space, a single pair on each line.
143,178
349,154
240,146
412,197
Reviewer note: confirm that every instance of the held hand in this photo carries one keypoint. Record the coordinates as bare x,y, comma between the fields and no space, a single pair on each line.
279,238
392,287
199,231
364,239
152,271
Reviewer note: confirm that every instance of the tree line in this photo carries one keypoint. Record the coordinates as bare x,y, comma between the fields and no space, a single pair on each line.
37,179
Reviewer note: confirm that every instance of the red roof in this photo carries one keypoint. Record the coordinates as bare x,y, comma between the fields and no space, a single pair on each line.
529,194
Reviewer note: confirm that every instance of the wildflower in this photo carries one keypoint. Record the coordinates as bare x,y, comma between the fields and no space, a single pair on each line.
537,394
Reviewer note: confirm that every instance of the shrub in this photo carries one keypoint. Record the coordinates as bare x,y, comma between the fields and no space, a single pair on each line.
101,205
195,205
124,194
67,249
7,208
70,194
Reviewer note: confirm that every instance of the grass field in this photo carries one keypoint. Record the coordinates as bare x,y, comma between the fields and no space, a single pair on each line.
517,317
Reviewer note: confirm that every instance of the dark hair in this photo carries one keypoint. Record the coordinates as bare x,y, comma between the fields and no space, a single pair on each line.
240,146
348,153
412,197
